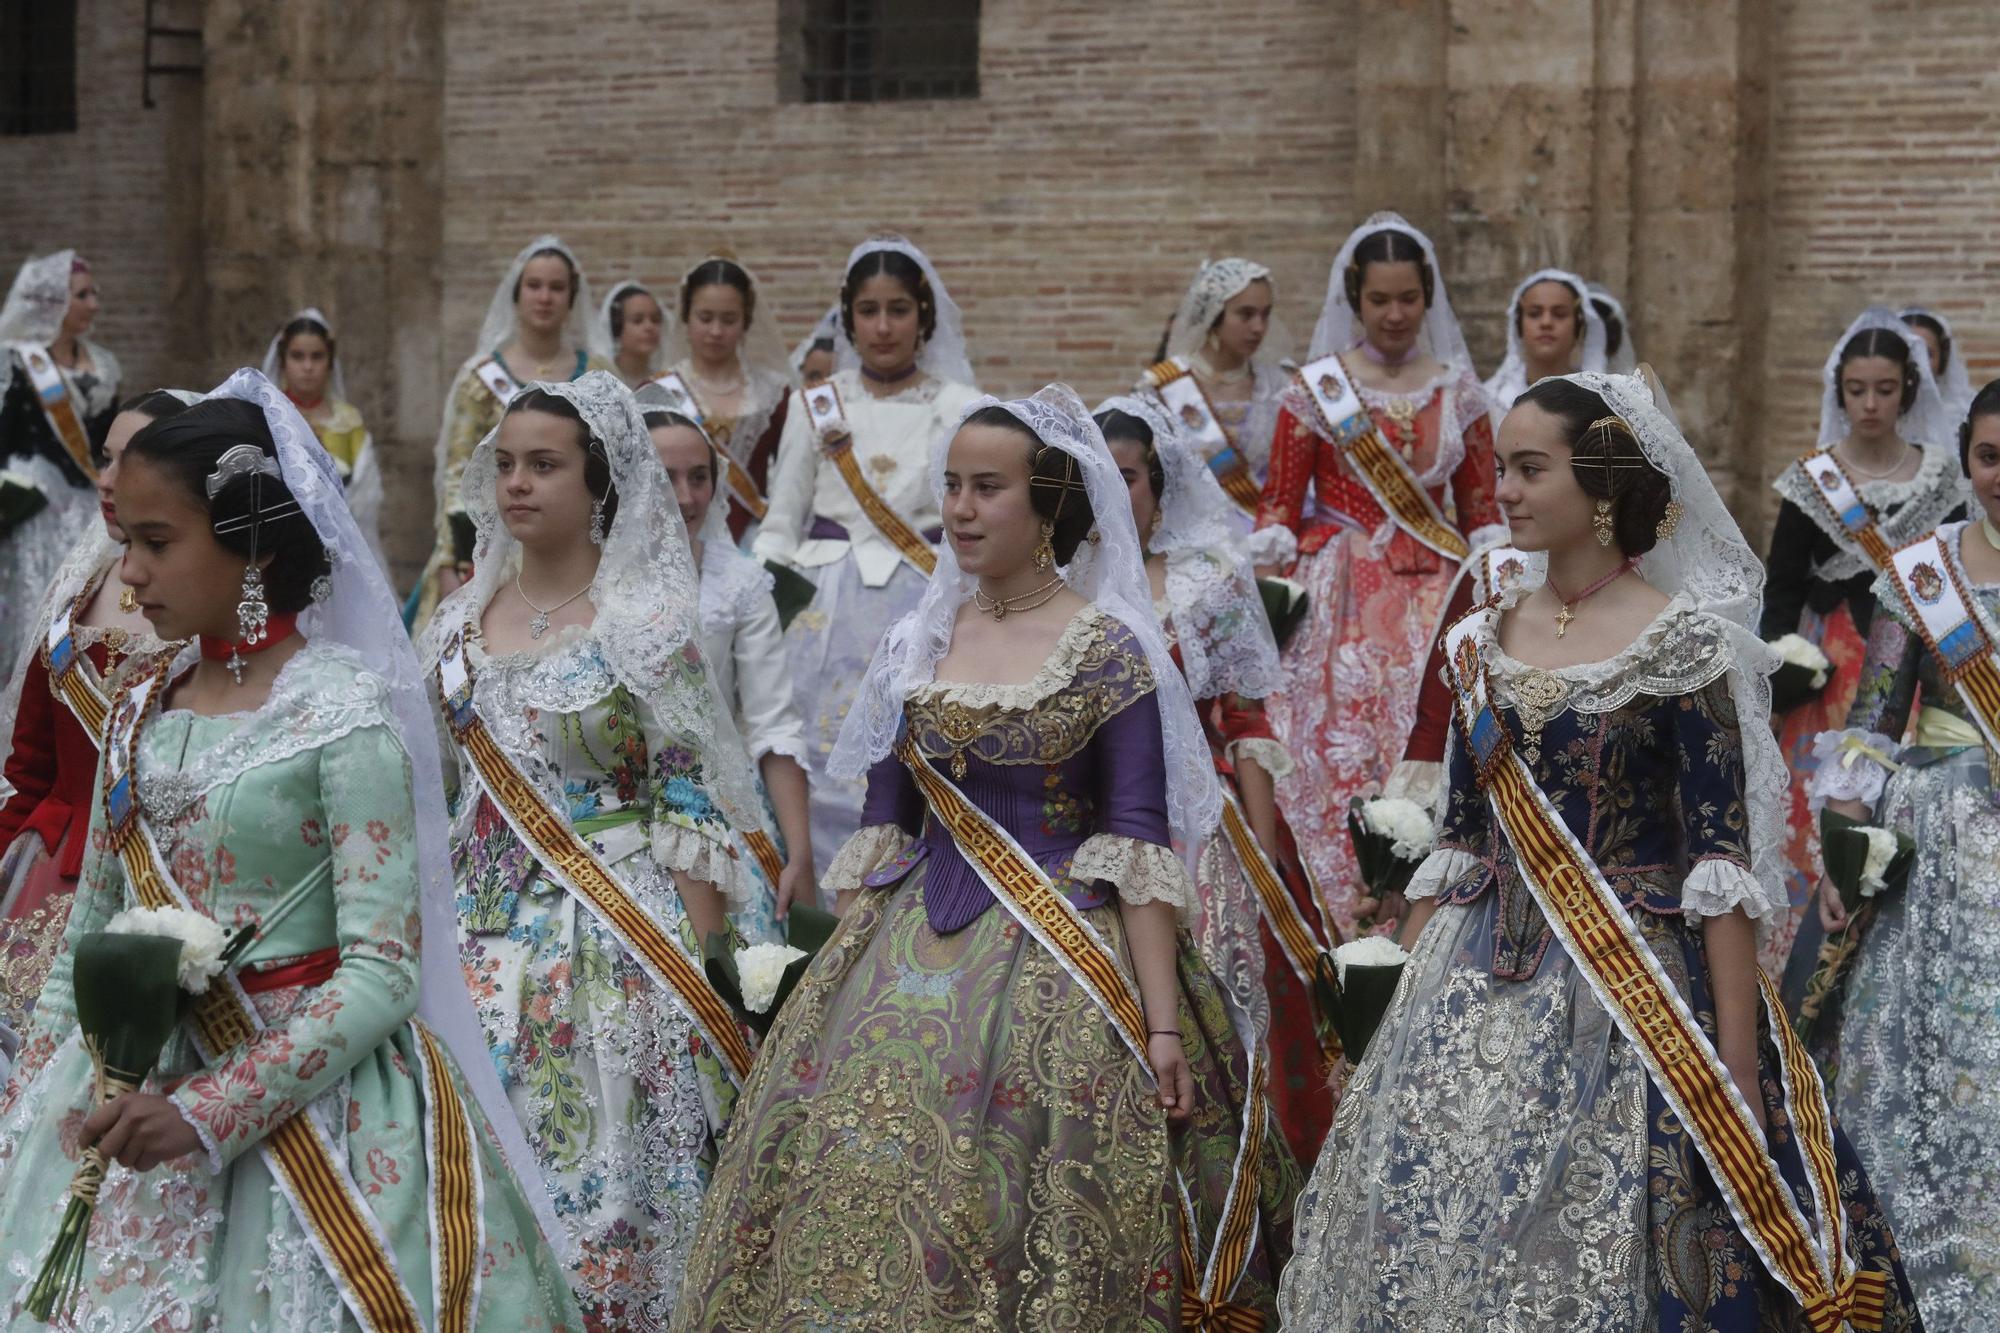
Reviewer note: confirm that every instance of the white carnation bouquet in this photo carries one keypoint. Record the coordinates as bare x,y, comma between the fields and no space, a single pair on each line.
1802,674
1353,986
757,979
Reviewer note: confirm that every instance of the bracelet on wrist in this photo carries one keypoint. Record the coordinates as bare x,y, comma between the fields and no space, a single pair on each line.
1164,1032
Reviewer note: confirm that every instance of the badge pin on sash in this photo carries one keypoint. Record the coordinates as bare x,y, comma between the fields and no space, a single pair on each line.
679,397
497,381
1183,397
829,420
1333,396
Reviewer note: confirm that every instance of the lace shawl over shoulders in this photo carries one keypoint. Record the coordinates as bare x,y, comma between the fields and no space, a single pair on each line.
1682,650
324,693
1904,510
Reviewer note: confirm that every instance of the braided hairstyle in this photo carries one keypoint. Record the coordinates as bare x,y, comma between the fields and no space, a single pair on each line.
1387,246
1056,489
905,270
719,273
1887,344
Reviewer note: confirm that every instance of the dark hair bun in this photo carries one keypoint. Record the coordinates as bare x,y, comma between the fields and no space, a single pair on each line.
1608,463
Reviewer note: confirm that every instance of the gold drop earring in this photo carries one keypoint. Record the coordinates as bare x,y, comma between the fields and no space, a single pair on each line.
1045,549
1601,521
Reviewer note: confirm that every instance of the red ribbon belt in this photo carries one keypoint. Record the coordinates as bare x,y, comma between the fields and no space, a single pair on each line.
312,970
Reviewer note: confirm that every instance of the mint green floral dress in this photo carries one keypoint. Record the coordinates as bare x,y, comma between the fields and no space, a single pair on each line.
309,793
619,1097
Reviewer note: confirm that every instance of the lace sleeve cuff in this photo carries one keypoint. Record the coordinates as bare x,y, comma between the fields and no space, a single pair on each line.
699,856
1270,755
1440,868
1718,886
1419,780
210,1148
1275,545
1145,872
866,850
1852,766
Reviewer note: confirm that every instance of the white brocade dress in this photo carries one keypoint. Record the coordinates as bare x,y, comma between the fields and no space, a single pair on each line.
622,1102
745,649
815,524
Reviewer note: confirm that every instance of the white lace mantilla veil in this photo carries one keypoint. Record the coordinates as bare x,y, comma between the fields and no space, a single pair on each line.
646,593
1511,380
1225,638
1215,284
1626,358
604,343
828,327
361,615
1339,328
35,306
1955,387
1110,573
943,355
1926,422
1708,560
496,330
336,384
87,554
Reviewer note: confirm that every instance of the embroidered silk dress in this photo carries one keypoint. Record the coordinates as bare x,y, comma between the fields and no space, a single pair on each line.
621,1100
750,437
305,801
1501,1160
815,524
942,1130
1821,586
1915,1041
52,769
1238,728
1354,666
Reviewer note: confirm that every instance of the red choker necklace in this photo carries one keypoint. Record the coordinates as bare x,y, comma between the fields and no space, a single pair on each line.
232,652
304,404
897,378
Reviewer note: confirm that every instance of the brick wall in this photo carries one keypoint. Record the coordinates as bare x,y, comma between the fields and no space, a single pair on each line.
1113,146
118,192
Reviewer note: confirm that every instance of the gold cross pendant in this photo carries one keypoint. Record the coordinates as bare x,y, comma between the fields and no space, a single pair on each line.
1563,617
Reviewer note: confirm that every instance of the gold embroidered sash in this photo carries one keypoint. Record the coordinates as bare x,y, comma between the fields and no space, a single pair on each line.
1834,489
549,835
1628,980
741,486
344,1232
1031,898
829,426
1951,628
1344,420
67,676
1174,383
1301,943
765,851
52,392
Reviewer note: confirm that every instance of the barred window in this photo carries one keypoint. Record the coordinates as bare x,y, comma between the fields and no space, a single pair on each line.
37,66
879,50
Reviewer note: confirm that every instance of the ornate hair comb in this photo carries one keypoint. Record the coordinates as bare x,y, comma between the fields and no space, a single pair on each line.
247,460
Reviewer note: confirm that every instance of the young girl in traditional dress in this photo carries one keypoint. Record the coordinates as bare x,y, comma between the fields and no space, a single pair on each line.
304,361
961,1116
1257,920
58,393
631,326
745,648
1552,328
341,1167
1883,441
1377,592
1915,1034
901,378
537,328
56,731
1578,1052
599,787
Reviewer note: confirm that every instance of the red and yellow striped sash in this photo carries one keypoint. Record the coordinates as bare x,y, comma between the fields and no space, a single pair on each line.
1031,898
52,392
1345,421
1926,576
1301,943
827,419
1835,491
1239,486
458,1235
569,859
743,488
765,850
1628,980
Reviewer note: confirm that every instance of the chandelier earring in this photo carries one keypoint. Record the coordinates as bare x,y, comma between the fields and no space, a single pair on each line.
597,522
1670,521
1045,549
1601,521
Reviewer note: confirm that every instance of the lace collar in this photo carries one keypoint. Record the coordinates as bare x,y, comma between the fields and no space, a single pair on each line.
320,695
1086,628
923,389
732,584
1904,510
1680,650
